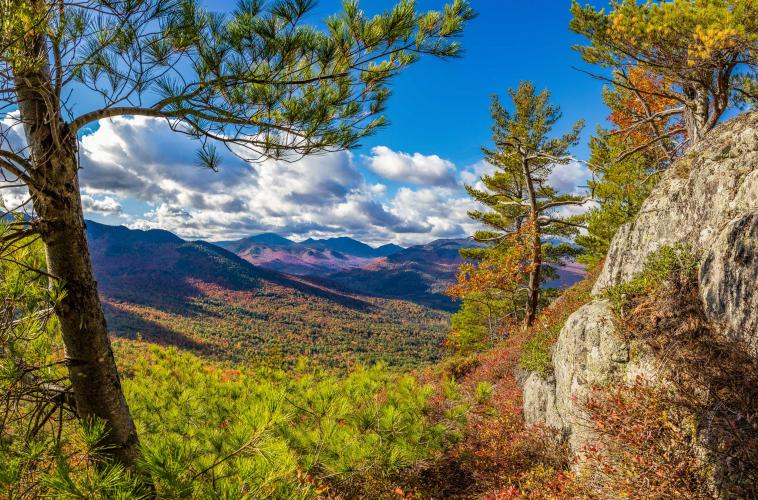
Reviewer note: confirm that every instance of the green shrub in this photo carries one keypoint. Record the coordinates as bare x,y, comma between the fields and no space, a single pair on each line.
669,264
484,391
536,356
212,432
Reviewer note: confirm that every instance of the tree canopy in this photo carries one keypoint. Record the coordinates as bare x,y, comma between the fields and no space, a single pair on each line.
704,52
258,79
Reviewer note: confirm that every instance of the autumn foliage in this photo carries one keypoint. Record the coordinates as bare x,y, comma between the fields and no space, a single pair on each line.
641,114
498,285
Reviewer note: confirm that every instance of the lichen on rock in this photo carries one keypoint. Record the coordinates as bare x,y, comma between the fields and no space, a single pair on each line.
729,281
691,205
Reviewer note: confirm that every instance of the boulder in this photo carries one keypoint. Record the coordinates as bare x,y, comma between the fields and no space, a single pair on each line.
539,402
588,351
714,183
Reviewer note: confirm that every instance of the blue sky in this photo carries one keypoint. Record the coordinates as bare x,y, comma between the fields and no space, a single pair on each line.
442,107
403,185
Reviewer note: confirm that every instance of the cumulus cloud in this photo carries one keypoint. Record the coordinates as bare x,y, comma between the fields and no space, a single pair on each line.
105,205
323,195
12,133
415,168
147,175
442,212
569,178
472,175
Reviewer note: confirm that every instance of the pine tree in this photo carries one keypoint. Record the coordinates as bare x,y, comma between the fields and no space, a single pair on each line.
641,121
518,192
627,159
704,51
619,188
258,80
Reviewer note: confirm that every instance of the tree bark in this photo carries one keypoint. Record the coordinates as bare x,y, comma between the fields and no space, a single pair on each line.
696,113
54,188
533,300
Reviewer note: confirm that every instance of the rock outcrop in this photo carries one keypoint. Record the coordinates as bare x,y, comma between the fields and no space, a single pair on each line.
729,280
714,183
707,200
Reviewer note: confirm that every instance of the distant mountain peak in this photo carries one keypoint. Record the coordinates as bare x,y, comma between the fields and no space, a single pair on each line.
270,239
389,249
343,245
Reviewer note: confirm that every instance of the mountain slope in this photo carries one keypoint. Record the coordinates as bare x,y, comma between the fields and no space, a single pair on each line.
205,298
691,328
349,246
422,273
271,239
419,274
310,257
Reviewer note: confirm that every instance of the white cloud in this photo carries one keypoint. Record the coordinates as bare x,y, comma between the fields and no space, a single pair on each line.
569,178
106,205
147,175
442,211
472,175
415,168
325,195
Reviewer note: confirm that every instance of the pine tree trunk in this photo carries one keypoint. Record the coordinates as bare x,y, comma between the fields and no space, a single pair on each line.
533,299
696,114
54,188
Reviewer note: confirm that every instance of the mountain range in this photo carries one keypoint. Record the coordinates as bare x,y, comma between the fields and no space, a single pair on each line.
268,295
419,274
309,257
201,297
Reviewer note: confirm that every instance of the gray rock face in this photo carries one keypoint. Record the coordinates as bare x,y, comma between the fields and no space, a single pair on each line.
588,352
714,183
707,200
729,281
539,402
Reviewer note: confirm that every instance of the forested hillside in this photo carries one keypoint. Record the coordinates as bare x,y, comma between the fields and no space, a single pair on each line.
579,320
197,296
309,257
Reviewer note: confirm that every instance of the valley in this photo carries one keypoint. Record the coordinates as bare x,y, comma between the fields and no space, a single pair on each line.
348,250
204,298
200,297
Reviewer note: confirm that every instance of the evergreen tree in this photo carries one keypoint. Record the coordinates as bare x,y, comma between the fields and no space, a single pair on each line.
703,50
518,193
619,188
624,164
257,80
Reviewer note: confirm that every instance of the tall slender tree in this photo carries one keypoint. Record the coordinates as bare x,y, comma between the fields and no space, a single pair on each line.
518,192
257,80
